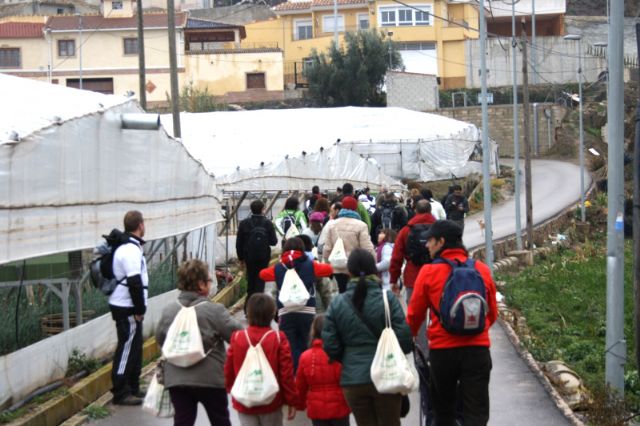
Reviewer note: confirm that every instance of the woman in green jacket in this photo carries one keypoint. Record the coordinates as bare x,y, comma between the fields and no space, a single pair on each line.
349,340
290,216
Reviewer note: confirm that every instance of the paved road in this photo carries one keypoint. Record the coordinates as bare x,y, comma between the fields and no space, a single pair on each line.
517,398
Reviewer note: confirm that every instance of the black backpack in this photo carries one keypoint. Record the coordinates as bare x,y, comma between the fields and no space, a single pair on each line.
257,247
417,244
287,222
101,269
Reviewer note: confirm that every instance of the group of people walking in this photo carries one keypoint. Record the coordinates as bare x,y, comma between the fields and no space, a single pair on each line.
322,362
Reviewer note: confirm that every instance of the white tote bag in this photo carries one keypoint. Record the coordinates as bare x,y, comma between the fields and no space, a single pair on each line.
255,384
293,292
183,344
157,400
391,370
292,232
338,256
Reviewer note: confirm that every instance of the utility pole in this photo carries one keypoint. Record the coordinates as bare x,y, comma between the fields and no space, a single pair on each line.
636,219
486,150
141,67
527,139
516,136
335,22
533,41
173,65
616,345
79,50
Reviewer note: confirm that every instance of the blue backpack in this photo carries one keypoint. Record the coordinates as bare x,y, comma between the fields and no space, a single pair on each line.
463,304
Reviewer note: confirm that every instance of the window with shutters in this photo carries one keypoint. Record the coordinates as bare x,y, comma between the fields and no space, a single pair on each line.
10,57
130,46
66,48
256,80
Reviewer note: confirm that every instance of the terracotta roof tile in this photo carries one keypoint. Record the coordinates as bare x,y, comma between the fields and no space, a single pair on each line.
99,22
308,5
317,3
297,5
21,30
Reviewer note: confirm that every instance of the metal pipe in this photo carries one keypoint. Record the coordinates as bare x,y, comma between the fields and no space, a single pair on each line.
516,136
335,22
140,121
581,154
486,155
616,351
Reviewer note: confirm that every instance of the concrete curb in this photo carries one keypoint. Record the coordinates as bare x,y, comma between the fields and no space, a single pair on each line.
97,385
537,371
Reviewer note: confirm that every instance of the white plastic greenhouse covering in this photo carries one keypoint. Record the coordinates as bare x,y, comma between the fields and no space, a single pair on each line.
406,144
326,168
70,172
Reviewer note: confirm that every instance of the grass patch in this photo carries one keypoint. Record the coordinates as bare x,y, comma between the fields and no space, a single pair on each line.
96,412
563,299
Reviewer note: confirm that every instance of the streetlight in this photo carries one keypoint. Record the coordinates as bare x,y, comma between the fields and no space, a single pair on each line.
578,38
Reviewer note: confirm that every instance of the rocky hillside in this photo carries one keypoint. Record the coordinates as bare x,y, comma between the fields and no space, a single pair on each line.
599,7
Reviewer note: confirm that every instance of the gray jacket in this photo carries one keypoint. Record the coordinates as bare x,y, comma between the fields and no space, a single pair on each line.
216,326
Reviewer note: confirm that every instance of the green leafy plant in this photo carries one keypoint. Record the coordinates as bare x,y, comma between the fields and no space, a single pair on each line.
95,412
79,361
353,75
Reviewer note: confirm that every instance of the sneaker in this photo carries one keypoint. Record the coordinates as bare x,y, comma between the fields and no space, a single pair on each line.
129,400
140,393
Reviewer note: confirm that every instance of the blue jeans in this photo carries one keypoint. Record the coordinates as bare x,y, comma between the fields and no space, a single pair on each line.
297,328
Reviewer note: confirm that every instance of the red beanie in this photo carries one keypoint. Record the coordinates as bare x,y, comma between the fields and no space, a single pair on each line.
349,203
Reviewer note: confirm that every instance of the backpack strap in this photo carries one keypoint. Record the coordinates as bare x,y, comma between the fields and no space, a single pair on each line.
246,334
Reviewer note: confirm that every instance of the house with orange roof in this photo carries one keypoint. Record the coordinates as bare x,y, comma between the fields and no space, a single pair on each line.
430,34
99,52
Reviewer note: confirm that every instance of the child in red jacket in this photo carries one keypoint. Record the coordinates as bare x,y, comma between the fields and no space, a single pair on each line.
318,383
261,310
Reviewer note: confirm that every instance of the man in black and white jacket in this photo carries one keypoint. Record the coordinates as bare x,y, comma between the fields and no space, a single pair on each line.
128,304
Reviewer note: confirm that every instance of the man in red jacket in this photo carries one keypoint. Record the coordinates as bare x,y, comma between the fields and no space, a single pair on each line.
455,359
401,254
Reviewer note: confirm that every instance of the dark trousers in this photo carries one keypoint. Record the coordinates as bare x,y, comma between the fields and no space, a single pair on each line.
297,327
127,361
254,283
460,223
342,280
471,367
371,408
342,421
185,401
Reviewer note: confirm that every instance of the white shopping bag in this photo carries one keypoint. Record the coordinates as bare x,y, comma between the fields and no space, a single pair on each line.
391,371
291,232
157,400
293,292
183,344
255,384
338,256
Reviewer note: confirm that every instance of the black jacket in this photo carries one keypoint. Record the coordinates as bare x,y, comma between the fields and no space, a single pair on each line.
244,229
456,206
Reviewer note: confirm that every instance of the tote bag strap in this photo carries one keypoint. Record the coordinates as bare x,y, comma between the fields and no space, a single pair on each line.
246,334
387,310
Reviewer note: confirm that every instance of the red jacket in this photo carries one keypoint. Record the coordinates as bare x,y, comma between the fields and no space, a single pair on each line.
426,295
318,384
399,252
287,258
279,356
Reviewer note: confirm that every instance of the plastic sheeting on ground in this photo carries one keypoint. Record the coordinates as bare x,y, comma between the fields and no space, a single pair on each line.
327,168
70,172
405,143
